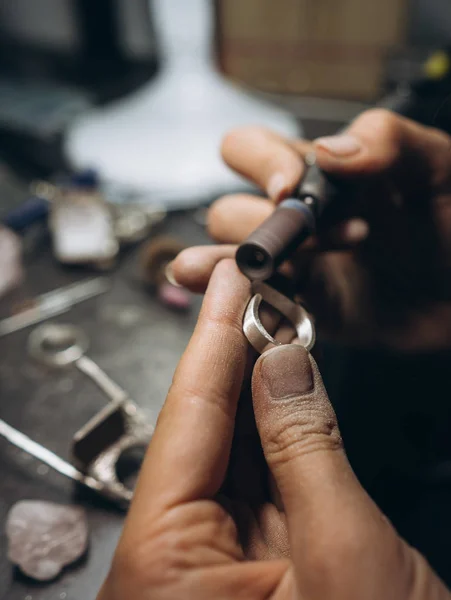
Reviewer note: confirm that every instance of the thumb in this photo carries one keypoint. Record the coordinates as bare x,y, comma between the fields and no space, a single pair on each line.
333,524
299,430
379,141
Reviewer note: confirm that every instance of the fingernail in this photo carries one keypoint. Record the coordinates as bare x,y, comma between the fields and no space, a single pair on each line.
286,370
339,145
169,273
276,186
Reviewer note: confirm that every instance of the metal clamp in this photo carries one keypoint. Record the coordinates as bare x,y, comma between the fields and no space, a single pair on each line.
98,446
256,333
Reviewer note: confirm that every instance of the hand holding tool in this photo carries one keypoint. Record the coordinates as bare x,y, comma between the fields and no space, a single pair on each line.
293,221
297,218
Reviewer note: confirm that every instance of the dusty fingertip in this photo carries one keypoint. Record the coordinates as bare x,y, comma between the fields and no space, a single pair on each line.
287,370
291,352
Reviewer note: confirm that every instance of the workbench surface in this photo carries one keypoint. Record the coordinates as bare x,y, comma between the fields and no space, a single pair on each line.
138,342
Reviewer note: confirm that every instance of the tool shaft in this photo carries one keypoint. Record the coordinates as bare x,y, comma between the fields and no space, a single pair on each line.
101,379
54,303
31,447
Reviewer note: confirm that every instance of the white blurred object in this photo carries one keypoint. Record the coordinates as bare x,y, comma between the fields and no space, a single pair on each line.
83,229
164,140
10,261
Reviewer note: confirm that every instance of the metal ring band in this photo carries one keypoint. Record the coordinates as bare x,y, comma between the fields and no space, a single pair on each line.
256,333
48,336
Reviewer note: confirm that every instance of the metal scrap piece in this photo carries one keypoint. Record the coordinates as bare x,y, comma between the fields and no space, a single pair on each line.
98,445
44,537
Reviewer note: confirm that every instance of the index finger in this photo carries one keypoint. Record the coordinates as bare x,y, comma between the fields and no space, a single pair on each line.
275,164
189,452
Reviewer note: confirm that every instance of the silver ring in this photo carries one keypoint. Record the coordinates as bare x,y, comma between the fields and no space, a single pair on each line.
44,344
256,333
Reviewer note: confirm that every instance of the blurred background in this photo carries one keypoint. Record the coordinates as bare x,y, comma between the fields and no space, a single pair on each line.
70,68
111,118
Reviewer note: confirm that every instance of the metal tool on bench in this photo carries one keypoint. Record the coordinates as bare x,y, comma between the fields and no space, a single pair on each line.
88,224
96,447
55,303
57,345
118,427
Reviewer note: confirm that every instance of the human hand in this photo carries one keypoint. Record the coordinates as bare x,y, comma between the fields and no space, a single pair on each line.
195,532
379,276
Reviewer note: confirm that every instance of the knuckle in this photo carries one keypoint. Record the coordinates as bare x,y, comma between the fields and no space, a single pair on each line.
302,433
215,399
151,561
